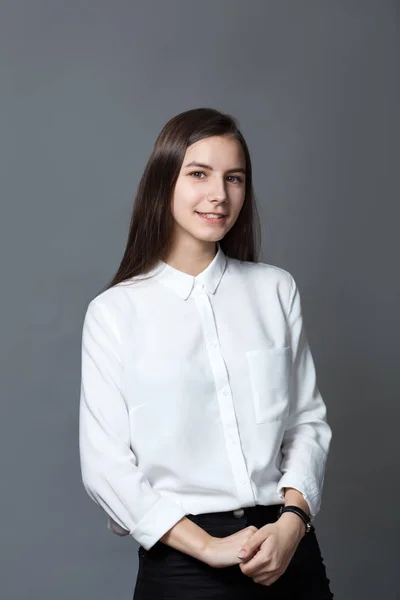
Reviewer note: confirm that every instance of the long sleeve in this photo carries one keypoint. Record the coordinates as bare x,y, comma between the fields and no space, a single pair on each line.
307,436
109,467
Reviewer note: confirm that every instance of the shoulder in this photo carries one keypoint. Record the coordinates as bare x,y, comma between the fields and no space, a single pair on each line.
108,299
109,307
264,275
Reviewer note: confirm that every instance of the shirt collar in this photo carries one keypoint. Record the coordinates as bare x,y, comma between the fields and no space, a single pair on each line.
182,283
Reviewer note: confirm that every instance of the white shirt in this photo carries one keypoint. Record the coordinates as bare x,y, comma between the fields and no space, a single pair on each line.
198,394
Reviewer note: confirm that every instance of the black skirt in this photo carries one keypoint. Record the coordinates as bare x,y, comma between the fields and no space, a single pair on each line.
168,574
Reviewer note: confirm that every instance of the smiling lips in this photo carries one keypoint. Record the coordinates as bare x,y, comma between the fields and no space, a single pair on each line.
212,216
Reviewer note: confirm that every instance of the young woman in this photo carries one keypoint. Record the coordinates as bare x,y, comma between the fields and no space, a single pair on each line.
200,415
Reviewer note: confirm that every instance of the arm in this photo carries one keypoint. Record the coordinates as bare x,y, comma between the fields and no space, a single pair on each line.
185,536
189,538
307,437
304,449
109,471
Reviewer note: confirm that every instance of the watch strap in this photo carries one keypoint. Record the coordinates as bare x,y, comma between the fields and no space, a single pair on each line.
300,512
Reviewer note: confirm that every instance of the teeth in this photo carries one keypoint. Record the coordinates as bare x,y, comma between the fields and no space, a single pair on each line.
210,215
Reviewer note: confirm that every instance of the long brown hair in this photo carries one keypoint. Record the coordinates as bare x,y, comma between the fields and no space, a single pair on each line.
151,225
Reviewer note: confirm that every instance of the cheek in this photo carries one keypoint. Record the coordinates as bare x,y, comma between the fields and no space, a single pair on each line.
237,202
185,198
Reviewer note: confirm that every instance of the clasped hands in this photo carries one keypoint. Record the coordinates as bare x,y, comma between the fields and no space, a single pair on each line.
262,554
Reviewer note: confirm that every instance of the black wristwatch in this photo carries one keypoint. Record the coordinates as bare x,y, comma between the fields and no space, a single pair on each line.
300,512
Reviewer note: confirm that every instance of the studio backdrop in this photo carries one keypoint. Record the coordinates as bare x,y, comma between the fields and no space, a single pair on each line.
85,88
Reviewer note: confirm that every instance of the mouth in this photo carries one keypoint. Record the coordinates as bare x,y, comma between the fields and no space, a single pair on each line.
212,217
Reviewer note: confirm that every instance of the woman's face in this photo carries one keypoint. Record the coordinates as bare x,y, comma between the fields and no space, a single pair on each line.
211,180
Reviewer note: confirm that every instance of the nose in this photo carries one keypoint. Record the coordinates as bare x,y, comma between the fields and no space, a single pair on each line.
216,191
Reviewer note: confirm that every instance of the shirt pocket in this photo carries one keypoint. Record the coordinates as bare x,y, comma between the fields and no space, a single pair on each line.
269,371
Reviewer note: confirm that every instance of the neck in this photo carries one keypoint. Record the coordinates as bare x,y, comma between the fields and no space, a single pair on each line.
191,257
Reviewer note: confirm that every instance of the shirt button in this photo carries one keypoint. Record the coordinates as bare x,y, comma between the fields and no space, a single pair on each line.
238,513
212,344
225,392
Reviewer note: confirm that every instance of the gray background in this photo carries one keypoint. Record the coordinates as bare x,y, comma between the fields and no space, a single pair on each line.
85,88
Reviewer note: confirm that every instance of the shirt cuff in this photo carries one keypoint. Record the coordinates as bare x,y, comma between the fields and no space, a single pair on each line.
157,521
305,486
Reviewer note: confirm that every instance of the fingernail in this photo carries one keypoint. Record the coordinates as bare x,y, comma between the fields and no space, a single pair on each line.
242,554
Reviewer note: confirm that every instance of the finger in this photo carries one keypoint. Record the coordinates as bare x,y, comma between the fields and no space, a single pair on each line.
264,580
249,553
267,578
255,565
252,529
252,544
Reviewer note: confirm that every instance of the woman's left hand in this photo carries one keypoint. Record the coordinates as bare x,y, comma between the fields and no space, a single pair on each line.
270,550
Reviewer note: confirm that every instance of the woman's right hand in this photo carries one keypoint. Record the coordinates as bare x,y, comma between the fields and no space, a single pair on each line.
223,552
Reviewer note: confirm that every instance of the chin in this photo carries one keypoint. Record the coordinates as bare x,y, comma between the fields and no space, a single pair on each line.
216,237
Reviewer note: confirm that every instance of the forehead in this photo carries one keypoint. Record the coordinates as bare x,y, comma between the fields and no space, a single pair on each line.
218,151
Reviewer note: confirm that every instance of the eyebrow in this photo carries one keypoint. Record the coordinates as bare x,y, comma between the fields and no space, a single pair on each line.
204,166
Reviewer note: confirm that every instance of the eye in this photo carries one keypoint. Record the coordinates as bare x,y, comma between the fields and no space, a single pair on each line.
237,177
197,173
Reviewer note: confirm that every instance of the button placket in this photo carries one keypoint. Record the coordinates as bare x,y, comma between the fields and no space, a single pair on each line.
224,395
